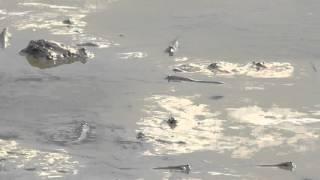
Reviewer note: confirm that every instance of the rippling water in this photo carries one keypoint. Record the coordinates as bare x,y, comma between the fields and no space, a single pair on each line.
108,118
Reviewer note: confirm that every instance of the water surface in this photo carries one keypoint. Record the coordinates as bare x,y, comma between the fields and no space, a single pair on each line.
223,132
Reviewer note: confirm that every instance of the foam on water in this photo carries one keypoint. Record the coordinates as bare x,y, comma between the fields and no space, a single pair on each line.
44,5
229,69
133,55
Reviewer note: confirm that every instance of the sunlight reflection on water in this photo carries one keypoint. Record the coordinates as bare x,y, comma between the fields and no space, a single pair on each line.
133,55
197,127
37,15
44,164
246,131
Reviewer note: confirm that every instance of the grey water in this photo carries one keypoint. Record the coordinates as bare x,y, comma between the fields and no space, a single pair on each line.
81,120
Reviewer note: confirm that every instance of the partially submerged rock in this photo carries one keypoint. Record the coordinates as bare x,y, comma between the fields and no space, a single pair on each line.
46,54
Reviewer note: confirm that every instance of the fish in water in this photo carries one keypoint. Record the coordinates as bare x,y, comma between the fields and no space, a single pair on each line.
173,47
314,67
182,168
180,78
90,44
284,165
172,122
215,67
217,97
259,65
68,21
84,131
140,136
4,38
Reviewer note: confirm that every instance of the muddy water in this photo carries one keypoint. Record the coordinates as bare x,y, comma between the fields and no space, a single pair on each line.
80,121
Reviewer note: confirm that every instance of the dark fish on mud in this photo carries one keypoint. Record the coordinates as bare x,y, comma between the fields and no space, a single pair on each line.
173,47
180,168
290,166
180,78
